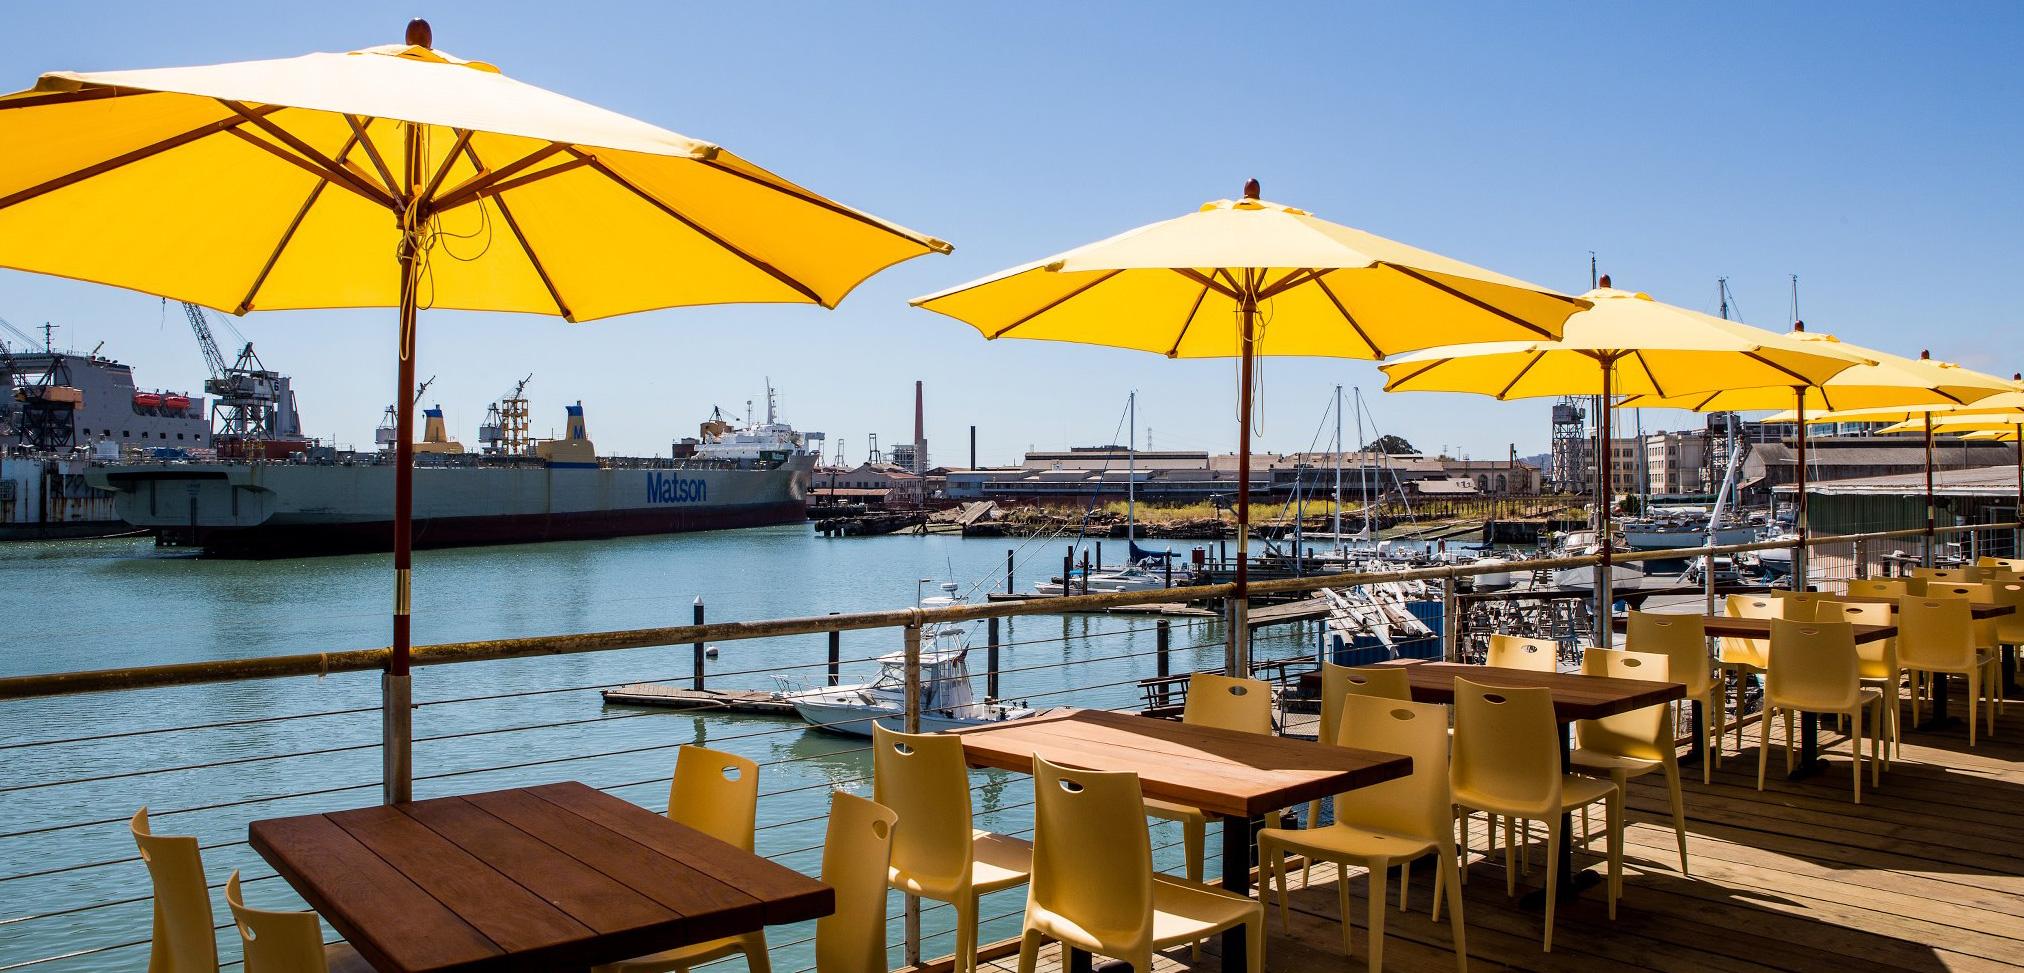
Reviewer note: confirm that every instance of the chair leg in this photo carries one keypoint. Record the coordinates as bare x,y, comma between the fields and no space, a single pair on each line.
1615,808
1788,742
1975,700
1342,904
1313,821
1029,951
1510,860
1672,772
1462,843
1274,858
1380,870
1763,743
965,960
1405,881
1447,877
1254,947
1552,876
1194,835
1855,761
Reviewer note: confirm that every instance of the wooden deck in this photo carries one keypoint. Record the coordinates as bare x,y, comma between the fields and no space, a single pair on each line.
1926,874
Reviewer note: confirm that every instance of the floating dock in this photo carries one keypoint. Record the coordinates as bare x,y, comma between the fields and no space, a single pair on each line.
719,700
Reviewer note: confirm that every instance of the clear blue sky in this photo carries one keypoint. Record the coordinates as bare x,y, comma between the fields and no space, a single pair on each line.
1873,149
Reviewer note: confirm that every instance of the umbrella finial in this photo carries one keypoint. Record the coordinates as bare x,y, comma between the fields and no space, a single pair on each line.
419,34
1798,325
1925,355
1250,189
1602,281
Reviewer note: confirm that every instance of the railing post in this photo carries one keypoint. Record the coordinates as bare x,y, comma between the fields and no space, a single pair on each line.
397,722
991,659
1451,621
836,652
1163,640
699,645
1861,558
913,725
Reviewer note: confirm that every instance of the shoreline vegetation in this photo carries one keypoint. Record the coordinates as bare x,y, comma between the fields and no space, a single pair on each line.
1448,520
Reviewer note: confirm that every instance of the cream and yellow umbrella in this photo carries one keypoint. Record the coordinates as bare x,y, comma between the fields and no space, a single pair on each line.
401,176
1626,344
1889,387
1998,418
1243,278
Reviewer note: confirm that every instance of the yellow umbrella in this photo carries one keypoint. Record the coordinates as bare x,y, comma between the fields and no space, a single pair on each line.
1890,385
403,176
1626,343
1998,426
1242,278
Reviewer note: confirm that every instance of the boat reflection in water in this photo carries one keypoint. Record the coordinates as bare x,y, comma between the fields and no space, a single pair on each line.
947,700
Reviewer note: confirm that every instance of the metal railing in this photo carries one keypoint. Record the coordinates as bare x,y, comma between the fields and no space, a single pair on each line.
75,898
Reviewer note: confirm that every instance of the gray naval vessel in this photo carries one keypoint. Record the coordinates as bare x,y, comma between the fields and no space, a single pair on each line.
513,490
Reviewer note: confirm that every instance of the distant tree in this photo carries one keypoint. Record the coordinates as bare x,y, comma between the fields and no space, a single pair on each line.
1390,445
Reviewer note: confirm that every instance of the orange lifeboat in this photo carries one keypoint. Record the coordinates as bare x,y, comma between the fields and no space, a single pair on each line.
148,400
176,402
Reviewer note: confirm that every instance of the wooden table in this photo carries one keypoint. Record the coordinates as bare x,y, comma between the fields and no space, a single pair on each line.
1236,776
555,877
1575,697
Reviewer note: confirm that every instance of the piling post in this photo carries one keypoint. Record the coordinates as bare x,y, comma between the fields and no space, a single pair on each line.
1085,572
991,659
1008,571
1067,574
1170,570
835,654
1163,641
699,645
1099,555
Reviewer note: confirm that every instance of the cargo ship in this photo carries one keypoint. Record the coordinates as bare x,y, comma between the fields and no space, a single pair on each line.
514,490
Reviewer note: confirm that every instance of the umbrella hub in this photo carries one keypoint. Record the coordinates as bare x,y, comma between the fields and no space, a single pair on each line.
1251,204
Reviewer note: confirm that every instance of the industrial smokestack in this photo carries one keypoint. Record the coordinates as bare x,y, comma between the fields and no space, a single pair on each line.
973,447
920,436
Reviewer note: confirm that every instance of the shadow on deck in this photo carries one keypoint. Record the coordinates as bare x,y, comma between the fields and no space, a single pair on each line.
1927,874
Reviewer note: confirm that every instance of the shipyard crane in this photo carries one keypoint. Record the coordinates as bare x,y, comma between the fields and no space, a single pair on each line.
255,405
213,358
504,430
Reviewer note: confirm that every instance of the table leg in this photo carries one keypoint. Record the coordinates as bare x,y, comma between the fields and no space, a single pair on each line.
1237,838
1939,719
2009,683
1810,762
1078,960
1698,752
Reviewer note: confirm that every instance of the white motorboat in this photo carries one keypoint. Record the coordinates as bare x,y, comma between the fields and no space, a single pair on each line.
1146,575
947,700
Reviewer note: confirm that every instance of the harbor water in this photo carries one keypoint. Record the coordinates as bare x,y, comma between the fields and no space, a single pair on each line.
270,748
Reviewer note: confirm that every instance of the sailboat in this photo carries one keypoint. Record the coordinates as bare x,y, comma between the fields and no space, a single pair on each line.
1147,570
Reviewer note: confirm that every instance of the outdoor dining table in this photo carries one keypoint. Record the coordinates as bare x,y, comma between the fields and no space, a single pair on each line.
1236,776
1810,763
554,877
1575,697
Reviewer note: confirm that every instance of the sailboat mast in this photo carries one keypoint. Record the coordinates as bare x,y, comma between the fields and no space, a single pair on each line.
1131,474
1338,471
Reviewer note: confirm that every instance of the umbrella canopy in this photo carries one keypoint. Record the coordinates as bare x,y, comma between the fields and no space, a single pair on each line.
1976,423
1626,343
403,176
1242,278
279,184
1650,348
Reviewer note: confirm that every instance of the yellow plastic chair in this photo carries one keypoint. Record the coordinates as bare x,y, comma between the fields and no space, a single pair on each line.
1743,657
1385,682
936,853
1887,587
1631,744
184,941
1960,575
1936,638
1683,640
1814,670
856,853
1221,701
1986,637
1876,664
2011,564
1094,887
1514,652
1800,605
716,793
1386,824
1507,761
2009,628
287,942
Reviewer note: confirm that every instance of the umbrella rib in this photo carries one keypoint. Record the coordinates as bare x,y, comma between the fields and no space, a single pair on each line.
770,270
831,205
525,247
331,170
1051,305
1351,318
449,159
1537,357
1189,321
1654,379
1395,382
92,93
484,182
1481,304
496,187
358,127
127,158
1206,281
1295,279
312,168
1801,379
274,256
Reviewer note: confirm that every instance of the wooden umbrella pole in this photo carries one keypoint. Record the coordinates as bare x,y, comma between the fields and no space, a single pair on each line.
1799,552
1932,512
1238,662
396,687
1605,498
